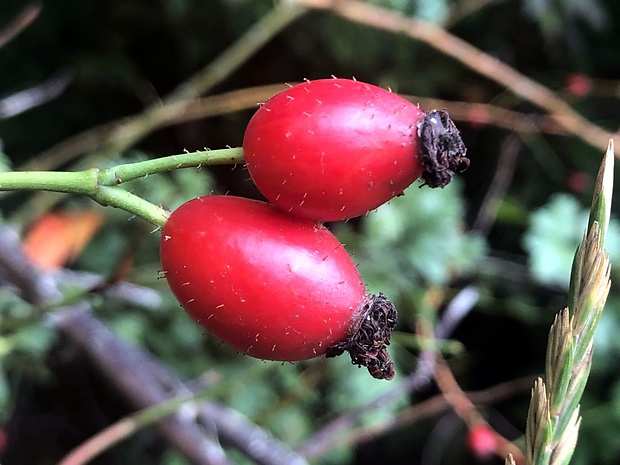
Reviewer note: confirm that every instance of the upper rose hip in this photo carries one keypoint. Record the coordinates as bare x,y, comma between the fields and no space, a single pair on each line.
334,149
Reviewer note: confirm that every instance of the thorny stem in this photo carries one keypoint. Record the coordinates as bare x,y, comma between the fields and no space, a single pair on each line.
102,185
131,171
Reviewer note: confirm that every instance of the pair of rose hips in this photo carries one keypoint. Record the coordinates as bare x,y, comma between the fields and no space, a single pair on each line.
269,279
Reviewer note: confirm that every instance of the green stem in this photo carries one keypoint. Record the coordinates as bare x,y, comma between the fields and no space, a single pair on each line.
102,186
120,198
131,171
81,182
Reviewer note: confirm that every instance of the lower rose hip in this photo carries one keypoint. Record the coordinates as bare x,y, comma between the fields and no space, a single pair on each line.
273,286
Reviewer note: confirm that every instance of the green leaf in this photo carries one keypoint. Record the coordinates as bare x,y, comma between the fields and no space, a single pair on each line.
554,233
4,394
414,240
5,161
351,389
434,11
35,339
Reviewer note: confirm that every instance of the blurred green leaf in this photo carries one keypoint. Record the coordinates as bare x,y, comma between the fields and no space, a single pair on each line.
4,394
434,11
11,305
553,17
598,438
291,424
552,238
415,240
5,161
606,338
352,388
35,339
130,327
512,211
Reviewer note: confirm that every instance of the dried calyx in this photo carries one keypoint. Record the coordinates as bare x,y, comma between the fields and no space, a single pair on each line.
367,343
441,149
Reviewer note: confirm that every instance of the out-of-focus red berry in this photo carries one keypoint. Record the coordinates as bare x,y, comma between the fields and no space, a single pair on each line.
3,440
482,440
578,84
478,116
579,182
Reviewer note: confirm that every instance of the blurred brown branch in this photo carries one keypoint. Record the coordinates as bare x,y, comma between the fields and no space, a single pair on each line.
481,114
19,23
195,432
437,405
195,428
483,63
466,410
161,117
32,97
244,99
487,213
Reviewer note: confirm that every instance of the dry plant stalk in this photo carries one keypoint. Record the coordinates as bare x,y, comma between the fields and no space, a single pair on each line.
553,417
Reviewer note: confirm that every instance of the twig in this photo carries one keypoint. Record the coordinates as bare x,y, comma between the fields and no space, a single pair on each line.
466,410
33,285
166,115
21,22
126,427
81,284
325,439
469,112
499,185
131,371
149,383
256,443
481,114
435,406
102,186
32,97
471,57
140,296
215,72
243,99
284,13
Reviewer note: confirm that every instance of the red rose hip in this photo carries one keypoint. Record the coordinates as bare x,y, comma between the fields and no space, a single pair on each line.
334,149
271,285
